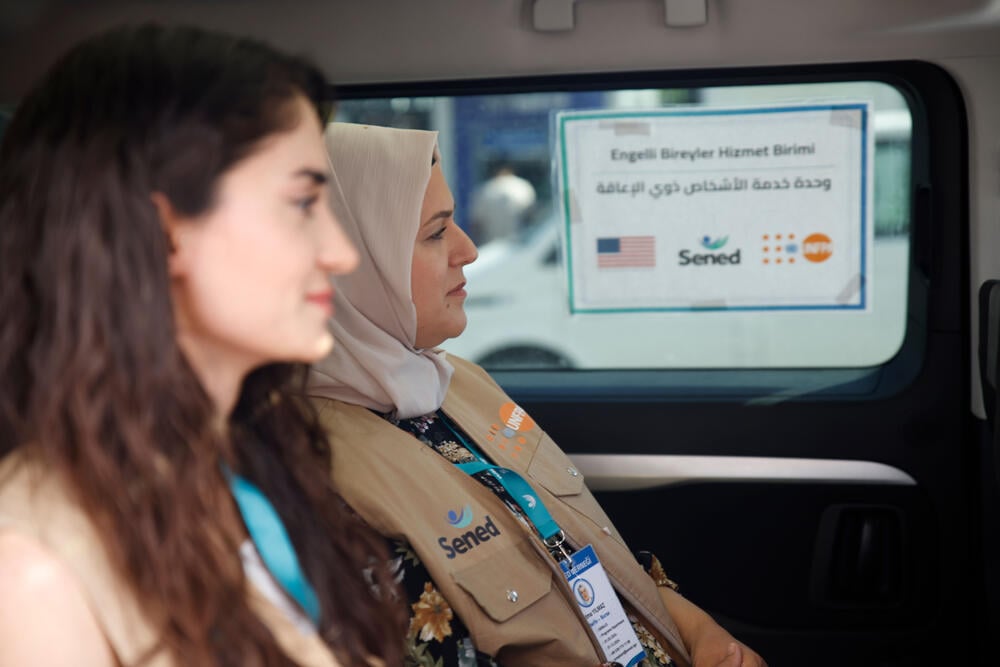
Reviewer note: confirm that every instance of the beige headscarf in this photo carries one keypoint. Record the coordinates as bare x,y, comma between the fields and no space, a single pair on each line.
379,178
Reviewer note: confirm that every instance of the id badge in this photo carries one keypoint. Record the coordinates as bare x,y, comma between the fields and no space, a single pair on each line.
602,609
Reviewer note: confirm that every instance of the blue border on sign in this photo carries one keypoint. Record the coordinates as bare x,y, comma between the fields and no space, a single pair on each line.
591,115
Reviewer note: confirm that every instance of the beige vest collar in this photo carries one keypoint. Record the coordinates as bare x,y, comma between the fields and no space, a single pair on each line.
38,506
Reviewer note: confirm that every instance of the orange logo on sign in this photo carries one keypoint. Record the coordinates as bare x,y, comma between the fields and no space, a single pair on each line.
817,247
779,248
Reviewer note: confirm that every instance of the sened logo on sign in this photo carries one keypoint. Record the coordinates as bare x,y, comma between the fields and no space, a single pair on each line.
687,257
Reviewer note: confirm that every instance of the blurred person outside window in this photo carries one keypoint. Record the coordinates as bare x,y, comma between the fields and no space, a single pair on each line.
501,205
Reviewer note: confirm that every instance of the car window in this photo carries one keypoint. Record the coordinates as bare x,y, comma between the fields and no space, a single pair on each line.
502,157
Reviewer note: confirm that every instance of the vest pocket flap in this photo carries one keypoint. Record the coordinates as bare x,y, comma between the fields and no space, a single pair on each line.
551,468
507,582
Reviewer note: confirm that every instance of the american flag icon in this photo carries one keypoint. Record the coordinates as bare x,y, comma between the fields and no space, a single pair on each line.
626,252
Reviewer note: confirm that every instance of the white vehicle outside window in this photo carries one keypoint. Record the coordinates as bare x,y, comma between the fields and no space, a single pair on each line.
519,313
519,305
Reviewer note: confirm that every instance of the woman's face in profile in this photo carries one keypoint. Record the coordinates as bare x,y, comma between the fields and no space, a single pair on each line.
251,276
437,283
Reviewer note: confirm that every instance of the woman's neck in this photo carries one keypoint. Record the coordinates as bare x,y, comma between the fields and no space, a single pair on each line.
220,372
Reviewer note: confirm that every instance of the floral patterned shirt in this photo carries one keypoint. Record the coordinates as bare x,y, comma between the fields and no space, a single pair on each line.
437,637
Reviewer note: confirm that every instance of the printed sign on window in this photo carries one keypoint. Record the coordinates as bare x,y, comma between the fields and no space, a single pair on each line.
756,208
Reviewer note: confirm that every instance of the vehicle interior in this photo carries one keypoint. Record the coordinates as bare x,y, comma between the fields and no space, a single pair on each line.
815,464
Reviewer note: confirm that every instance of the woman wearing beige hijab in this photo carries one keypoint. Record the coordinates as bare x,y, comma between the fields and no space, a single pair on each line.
480,505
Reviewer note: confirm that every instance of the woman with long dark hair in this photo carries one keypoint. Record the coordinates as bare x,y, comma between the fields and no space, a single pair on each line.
165,253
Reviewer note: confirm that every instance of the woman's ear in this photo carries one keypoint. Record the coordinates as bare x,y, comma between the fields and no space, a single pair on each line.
171,222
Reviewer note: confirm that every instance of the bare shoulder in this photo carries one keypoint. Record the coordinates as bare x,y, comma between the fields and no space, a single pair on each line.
44,618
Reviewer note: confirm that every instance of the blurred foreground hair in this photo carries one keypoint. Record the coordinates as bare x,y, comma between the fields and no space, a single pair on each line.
92,380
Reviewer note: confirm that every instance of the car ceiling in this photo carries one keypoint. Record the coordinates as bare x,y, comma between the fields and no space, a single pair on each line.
393,40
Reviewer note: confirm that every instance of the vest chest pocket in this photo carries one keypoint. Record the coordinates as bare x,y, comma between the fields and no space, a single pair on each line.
551,468
507,582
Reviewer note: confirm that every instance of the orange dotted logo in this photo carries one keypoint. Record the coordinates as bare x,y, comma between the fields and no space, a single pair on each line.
783,249
817,248
778,248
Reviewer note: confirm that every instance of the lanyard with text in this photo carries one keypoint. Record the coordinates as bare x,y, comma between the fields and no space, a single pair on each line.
520,492
275,548
585,575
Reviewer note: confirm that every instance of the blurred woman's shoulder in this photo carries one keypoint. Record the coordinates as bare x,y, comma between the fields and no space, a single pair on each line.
55,573
37,593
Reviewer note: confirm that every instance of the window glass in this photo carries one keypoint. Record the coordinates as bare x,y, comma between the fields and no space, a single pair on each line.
501,156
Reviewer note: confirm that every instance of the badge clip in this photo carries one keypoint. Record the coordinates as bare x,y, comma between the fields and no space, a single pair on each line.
556,545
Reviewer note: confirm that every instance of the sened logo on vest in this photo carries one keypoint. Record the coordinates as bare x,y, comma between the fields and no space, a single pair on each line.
470,539
460,519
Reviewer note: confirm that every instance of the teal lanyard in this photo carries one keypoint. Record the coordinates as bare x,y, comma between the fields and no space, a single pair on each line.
515,485
271,539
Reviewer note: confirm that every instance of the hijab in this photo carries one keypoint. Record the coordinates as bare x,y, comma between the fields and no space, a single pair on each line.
379,177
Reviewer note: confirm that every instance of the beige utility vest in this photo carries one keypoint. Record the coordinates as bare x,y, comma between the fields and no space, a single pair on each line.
502,583
36,504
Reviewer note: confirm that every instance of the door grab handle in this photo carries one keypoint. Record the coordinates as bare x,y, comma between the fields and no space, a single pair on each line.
632,472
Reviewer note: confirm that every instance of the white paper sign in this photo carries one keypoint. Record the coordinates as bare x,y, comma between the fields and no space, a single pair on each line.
736,208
